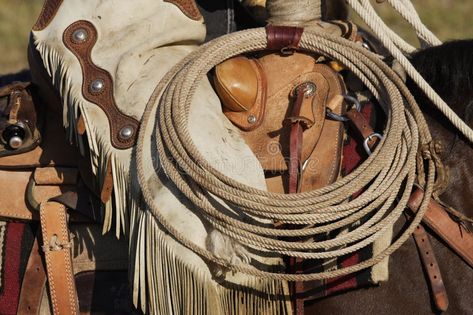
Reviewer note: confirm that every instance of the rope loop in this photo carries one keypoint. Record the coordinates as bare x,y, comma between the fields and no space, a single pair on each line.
386,177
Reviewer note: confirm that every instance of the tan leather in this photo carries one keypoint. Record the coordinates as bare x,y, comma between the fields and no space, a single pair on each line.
241,84
431,267
270,139
33,285
441,223
13,186
56,176
16,191
57,253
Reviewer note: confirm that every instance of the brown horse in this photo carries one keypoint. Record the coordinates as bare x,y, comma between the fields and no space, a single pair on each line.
449,69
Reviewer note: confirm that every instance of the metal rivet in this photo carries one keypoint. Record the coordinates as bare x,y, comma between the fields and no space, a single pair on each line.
80,35
15,142
126,132
252,119
309,89
97,85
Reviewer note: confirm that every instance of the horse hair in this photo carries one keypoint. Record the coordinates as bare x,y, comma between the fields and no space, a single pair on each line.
448,68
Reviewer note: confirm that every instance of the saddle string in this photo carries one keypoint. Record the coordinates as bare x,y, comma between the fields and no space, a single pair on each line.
387,174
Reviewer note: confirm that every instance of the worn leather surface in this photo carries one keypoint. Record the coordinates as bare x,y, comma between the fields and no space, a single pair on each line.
283,37
270,137
57,254
242,86
34,283
431,268
440,222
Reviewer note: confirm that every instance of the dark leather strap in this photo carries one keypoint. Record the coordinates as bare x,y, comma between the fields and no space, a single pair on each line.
34,283
295,168
295,143
283,37
431,267
57,254
362,126
441,223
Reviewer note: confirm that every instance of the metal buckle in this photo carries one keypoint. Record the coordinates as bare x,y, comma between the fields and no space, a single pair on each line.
368,139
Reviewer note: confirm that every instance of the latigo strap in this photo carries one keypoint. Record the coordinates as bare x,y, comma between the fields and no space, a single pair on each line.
444,226
57,253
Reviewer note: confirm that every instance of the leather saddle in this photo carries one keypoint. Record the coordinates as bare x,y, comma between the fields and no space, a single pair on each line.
40,181
259,95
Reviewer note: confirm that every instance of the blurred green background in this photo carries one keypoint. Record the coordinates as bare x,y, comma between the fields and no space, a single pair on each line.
449,19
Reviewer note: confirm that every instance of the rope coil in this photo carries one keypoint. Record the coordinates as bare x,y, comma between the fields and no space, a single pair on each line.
387,176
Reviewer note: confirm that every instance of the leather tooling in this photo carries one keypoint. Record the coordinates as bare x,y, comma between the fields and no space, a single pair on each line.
97,85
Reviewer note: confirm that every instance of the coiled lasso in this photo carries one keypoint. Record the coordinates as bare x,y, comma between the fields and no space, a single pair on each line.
387,176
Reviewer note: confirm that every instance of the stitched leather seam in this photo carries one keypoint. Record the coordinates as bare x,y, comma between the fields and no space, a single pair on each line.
66,256
44,230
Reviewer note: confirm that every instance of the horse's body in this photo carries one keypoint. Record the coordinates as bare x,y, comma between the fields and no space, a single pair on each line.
406,292
449,69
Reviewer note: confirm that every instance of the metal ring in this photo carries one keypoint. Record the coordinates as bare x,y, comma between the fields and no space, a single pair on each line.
331,115
354,101
369,138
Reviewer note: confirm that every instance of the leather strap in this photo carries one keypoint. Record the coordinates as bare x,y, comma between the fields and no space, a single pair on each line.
295,150
460,240
283,37
295,153
426,252
362,126
57,254
34,283
431,267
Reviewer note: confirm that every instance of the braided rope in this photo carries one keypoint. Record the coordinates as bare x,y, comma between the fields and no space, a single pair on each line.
387,175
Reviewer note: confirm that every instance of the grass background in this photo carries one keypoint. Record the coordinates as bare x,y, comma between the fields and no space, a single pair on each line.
449,19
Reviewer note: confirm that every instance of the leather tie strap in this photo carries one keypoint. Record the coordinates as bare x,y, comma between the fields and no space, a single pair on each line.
441,223
296,142
431,267
57,253
362,126
283,37
34,283
295,169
